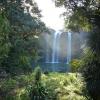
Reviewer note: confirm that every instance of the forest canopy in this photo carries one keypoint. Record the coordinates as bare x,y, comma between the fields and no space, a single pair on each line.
20,21
84,15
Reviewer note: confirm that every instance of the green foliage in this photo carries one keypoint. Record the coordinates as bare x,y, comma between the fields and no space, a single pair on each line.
65,86
37,75
4,37
18,46
85,15
14,88
80,14
75,65
38,91
77,21
54,86
91,73
94,41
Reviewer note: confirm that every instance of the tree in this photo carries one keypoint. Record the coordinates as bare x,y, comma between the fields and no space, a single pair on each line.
85,15
24,22
4,38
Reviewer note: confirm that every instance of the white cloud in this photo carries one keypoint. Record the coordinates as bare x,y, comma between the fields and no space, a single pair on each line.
51,14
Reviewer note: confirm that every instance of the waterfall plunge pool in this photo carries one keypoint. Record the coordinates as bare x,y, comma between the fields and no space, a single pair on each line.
54,67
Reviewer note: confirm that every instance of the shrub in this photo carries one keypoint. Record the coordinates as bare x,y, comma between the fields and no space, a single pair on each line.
75,65
37,90
91,73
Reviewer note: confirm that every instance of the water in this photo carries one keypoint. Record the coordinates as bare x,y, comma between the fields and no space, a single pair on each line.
47,50
56,48
55,51
69,48
54,62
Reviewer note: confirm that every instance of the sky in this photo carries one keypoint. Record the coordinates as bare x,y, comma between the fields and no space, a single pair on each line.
51,14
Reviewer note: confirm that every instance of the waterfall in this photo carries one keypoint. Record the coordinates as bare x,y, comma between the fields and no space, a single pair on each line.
56,49
47,50
55,59
47,54
69,48
55,52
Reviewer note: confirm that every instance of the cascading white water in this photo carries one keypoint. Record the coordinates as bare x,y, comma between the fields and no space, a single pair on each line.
55,52
56,49
69,48
55,59
47,49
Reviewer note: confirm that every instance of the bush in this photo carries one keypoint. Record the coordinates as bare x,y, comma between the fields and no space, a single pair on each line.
65,86
91,73
38,86
75,65
37,90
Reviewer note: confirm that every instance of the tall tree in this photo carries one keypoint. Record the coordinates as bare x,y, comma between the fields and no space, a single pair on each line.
85,15
24,21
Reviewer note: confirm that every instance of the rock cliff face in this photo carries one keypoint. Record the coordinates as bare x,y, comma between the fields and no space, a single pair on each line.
78,40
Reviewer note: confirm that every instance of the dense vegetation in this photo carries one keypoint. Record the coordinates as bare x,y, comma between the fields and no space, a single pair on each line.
85,15
20,26
38,86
